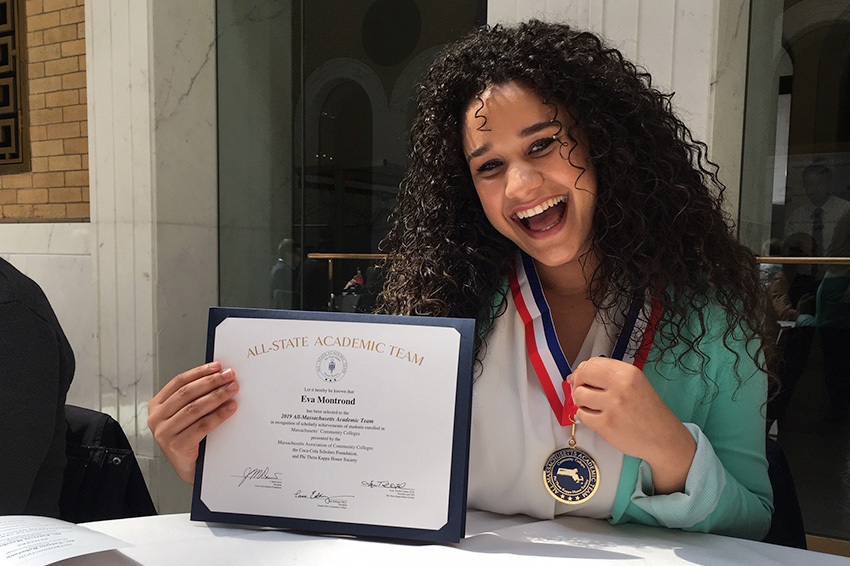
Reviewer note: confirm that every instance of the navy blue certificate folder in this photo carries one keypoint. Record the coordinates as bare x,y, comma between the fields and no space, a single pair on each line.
351,429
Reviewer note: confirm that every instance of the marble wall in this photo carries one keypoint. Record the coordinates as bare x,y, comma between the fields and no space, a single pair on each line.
152,116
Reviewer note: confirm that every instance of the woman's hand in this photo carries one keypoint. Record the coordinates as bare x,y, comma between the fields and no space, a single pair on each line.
187,409
616,400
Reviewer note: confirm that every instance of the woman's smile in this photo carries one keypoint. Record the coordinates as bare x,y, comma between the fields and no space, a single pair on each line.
544,216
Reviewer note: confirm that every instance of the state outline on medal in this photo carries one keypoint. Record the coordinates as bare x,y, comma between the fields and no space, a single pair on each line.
575,464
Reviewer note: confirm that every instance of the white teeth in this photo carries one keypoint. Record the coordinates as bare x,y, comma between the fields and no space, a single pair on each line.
522,215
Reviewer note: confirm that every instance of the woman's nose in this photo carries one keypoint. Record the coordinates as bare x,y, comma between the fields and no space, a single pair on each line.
522,180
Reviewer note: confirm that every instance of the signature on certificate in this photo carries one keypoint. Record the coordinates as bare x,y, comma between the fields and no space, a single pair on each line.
322,498
383,484
258,474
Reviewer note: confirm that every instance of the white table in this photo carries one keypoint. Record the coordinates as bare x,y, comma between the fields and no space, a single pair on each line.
491,539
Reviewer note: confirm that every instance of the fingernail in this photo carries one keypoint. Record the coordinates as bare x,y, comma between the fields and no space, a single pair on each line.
227,374
232,386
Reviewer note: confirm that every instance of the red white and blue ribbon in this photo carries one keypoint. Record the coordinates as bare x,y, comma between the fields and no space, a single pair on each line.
545,352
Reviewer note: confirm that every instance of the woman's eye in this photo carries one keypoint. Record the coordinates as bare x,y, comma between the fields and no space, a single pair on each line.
540,145
489,166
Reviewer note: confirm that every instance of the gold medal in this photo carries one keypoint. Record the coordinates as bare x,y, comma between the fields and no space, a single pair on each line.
570,475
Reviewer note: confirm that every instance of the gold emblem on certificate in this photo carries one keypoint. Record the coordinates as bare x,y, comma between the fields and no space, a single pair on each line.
570,474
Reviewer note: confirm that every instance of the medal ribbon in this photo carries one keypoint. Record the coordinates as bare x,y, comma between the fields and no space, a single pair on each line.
545,352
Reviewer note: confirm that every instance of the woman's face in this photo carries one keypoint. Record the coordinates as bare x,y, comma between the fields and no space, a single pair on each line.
537,186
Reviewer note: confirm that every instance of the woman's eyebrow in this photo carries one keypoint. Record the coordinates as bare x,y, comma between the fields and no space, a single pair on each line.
534,128
478,152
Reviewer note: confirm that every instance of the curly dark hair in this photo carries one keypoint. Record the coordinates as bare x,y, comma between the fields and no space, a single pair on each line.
658,225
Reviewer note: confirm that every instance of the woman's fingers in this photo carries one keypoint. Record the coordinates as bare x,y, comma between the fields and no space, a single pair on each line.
187,409
193,411
194,393
181,449
589,398
185,378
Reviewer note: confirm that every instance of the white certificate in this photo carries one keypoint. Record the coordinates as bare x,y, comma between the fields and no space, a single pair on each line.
354,424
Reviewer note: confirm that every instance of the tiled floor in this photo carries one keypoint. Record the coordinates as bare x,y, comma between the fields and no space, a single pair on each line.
817,446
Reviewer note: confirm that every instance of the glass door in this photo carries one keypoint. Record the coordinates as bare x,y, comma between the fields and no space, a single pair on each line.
315,99
795,214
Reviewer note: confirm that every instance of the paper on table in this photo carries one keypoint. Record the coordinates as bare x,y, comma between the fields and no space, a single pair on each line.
37,541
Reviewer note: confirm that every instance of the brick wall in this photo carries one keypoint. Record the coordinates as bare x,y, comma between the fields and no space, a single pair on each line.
57,189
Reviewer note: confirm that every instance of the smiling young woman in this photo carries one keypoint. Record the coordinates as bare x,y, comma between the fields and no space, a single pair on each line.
554,196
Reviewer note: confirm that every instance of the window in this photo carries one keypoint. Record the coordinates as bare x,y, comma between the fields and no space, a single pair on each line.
14,133
314,105
795,213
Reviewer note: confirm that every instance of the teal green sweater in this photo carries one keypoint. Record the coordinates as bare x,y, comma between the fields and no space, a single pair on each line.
727,490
